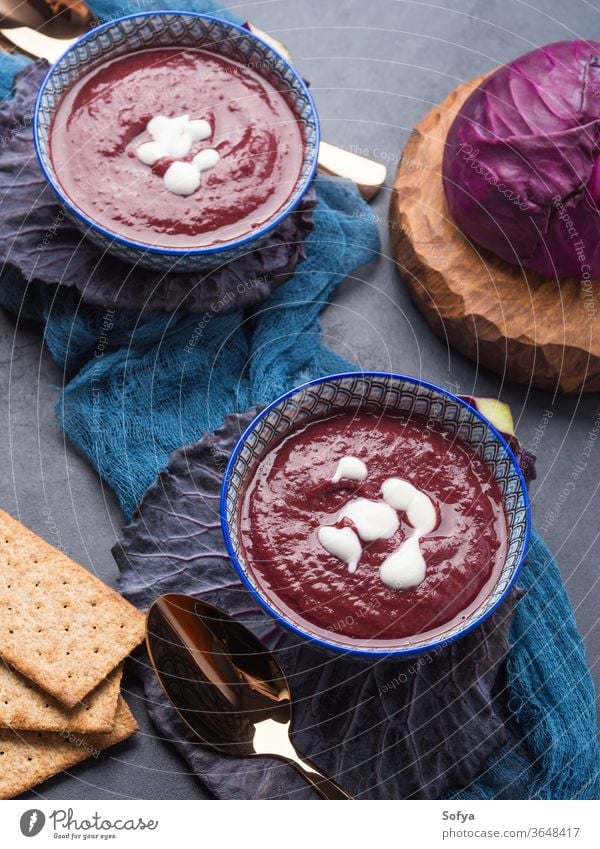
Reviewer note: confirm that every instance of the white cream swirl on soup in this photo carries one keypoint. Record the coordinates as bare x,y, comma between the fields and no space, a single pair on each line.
378,519
173,138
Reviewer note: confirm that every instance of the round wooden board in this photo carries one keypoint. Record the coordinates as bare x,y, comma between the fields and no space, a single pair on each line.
520,325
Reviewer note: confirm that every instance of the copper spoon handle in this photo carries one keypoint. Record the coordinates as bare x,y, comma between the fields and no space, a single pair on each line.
368,175
272,738
36,43
326,787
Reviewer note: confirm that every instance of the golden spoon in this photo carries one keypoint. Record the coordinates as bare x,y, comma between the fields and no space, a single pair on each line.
225,684
46,28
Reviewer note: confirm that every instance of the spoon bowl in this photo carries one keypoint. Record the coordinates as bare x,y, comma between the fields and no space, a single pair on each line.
225,684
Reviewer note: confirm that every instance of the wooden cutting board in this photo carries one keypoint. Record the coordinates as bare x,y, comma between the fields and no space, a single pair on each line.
523,326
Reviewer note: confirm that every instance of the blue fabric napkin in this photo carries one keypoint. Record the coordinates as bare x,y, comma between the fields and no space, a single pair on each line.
141,387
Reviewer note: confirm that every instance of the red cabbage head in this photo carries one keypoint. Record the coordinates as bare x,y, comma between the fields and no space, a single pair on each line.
522,162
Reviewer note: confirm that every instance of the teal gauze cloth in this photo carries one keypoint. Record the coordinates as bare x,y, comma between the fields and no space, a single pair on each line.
142,386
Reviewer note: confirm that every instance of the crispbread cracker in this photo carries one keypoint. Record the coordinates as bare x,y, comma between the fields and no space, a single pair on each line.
25,707
30,757
59,625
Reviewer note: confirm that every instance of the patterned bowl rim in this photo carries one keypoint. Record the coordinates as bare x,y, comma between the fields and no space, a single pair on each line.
365,652
153,249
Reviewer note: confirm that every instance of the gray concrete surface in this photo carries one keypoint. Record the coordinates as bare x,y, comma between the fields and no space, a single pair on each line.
376,67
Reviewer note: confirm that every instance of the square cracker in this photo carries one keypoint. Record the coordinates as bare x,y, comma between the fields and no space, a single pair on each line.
24,706
60,626
29,757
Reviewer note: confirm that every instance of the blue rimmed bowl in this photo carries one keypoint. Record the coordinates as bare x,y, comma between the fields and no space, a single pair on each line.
174,29
379,393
